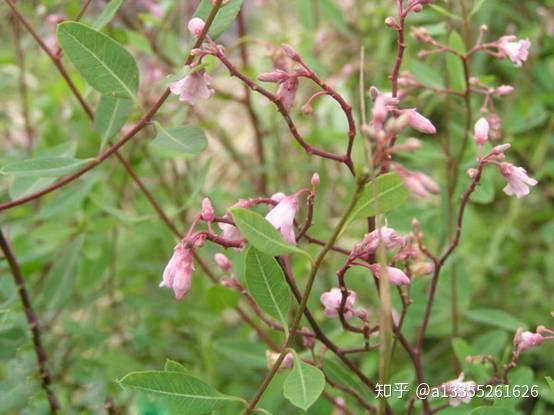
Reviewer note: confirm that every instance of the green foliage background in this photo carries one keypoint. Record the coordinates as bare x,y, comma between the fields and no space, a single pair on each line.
93,252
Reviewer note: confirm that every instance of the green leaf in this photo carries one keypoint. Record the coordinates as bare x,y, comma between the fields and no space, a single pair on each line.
60,279
186,393
68,201
266,282
304,384
391,193
489,410
23,185
497,318
173,366
220,298
261,234
225,16
107,14
454,63
44,167
111,115
103,62
444,12
188,139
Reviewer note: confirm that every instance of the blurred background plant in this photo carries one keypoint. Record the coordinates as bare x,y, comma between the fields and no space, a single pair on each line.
92,253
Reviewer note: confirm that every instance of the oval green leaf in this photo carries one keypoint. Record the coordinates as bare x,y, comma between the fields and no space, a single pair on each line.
44,167
107,14
266,282
304,384
496,318
111,115
103,62
391,193
185,393
261,234
188,139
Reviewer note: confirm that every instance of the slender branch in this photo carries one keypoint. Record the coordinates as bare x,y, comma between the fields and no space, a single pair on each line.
32,322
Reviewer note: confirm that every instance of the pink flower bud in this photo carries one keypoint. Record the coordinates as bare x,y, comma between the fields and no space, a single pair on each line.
287,92
504,90
223,262
272,357
291,53
332,300
396,275
501,149
207,210
177,274
195,26
481,131
276,76
471,172
419,122
390,22
379,111
315,180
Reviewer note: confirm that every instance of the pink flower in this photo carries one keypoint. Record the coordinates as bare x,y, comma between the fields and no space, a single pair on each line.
379,111
481,132
282,218
315,180
524,340
518,181
396,276
504,90
419,184
516,50
332,299
288,85
385,235
458,390
223,262
419,122
229,232
195,26
193,86
178,271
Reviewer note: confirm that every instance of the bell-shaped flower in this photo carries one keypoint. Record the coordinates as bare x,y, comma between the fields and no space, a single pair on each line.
396,275
332,299
192,87
516,50
518,180
178,271
524,340
282,217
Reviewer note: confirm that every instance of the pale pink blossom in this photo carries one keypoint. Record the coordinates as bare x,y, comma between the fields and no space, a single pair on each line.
192,87
518,180
276,76
195,26
315,180
418,183
384,235
223,262
459,391
207,210
504,90
287,92
481,131
177,274
396,275
524,340
332,299
516,50
282,217
229,232
379,111
419,122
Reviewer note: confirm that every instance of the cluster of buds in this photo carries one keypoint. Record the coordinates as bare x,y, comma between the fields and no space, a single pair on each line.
524,340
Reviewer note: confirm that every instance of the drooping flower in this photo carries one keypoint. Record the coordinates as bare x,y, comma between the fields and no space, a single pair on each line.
332,299
504,90
207,210
288,85
229,232
396,275
516,50
282,217
481,131
524,340
419,122
195,26
192,87
518,180
178,271
418,183
459,391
